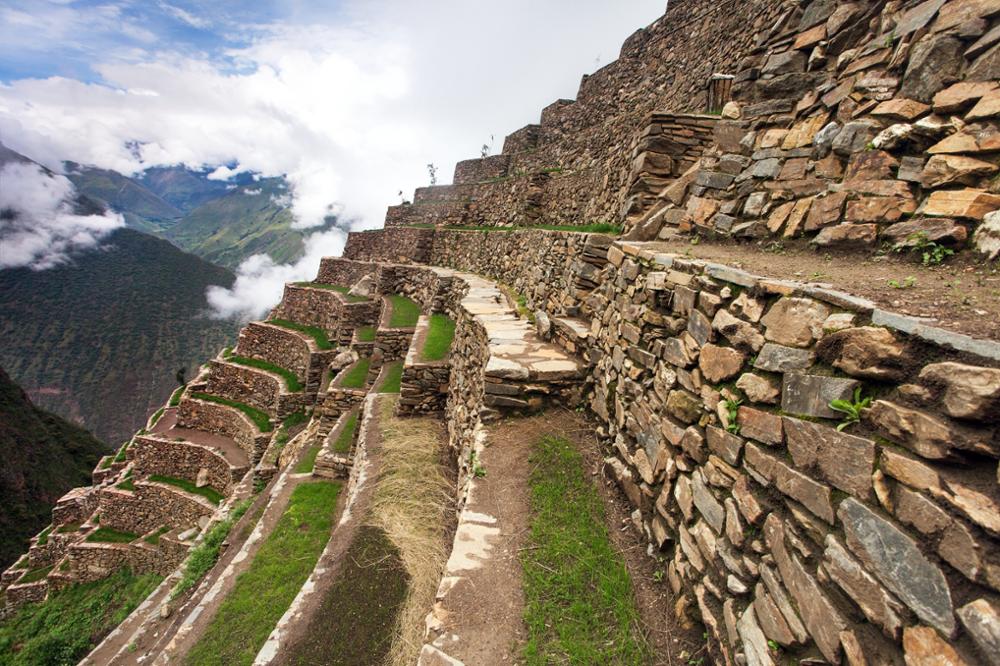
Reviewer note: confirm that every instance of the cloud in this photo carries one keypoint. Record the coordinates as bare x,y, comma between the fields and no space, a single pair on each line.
38,226
185,16
260,281
349,101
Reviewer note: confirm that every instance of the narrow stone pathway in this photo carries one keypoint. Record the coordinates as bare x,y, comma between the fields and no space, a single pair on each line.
167,427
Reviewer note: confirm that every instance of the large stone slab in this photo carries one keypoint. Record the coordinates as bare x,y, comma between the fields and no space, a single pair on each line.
795,322
969,391
810,395
844,460
896,560
875,601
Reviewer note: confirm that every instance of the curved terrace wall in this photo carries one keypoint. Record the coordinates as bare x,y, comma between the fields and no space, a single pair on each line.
257,388
150,506
183,460
282,347
223,420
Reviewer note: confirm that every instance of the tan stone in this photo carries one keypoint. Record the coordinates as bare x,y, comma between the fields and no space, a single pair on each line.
960,95
825,211
970,392
740,334
762,426
968,203
847,235
867,351
810,37
962,12
904,109
795,322
910,471
804,131
813,495
702,210
927,435
778,216
949,169
987,107
758,388
844,460
924,647
878,210
969,140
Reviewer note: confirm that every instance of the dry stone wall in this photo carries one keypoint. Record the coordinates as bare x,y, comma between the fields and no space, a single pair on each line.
150,506
408,244
311,307
257,388
223,420
282,347
184,460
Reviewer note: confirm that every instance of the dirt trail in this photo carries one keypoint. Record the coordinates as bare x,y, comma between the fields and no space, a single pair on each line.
478,619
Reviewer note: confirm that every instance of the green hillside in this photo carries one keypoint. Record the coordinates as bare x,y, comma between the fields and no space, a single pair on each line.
44,456
244,222
99,341
181,187
142,209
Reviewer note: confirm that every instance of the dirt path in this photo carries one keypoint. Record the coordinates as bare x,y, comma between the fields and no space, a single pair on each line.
167,427
962,294
478,619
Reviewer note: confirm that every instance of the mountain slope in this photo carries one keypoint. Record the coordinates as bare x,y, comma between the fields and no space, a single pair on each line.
245,221
44,456
99,341
181,187
142,209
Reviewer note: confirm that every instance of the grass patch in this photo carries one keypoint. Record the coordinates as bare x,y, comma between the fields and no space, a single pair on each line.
68,528
175,397
405,312
204,556
365,333
120,456
156,417
35,575
154,538
351,298
127,484
109,535
284,434
346,437
440,334
64,628
308,461
393,376
21,563
264,591
412,503
317,334
260,419
43,537
356,376
579,606
355,623
209,493
106,462
292,382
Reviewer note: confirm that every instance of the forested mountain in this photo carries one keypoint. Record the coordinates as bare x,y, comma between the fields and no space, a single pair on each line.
99,340
44,456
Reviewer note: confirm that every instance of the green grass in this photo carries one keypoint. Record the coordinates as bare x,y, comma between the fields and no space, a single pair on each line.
308,461
405,312
64,628
43,537
209,493
260,419
204,556
154,538
317,334
292,382
346,436
351,298
393,375
264,591
109,535
365,333
106,462
440,334
21,563
579,606
156,417
127,484
175,397
356,376
34,575
68,528
120,456
596,228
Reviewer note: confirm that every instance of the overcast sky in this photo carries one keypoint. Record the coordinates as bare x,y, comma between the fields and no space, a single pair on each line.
349,99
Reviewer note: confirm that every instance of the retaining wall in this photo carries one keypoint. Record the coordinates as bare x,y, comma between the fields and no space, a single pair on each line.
223,420
184,460
150,506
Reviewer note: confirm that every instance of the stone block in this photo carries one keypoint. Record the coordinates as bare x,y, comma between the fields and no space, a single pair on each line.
878,605
811,494
795,322
779,358
869,351
720,363
810,395
844,460
967,391
762,426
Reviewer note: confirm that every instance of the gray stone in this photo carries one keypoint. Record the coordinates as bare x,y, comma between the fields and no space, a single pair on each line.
878,605
852,138
845,461
755,645
810,395
898,563
982,620
709,507
823,141
739,333
543,325
816,12
987,236
769,168
724,444
935,62
700,328
779,358
785,63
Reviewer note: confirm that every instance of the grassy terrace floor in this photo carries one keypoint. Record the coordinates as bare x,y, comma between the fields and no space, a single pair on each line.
209,493
356,376
292,382
346,437
317,334
64,628
263,592
351,298
404,312
392,376
440,334
109,535
580,607
259,418
365,333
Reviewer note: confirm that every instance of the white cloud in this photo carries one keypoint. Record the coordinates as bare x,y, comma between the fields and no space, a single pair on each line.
350,107
38,227
185,16
260,281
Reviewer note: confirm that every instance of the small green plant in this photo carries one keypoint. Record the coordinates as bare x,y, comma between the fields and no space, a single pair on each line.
774,645
658,575
733,413
907,283
851,410
931,253
475,466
